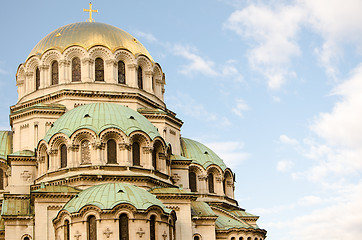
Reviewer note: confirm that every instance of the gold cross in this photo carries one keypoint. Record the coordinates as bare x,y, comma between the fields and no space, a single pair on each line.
90,19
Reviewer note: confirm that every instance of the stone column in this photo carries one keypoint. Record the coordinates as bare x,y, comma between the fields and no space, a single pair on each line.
63,71
87,67
29,82
131,75
110,71
147,82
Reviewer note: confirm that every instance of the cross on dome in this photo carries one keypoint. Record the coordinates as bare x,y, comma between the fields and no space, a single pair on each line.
90,10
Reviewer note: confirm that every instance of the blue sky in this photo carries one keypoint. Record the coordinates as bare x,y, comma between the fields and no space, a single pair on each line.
274,87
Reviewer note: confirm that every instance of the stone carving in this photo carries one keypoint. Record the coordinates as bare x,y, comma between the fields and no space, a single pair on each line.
26,175
77,235
107,232
140,232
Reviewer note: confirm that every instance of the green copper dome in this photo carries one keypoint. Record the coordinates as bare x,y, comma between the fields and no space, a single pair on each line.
100,116
200,154
109,195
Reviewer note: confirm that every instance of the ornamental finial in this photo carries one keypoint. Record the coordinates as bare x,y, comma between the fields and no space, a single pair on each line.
90,19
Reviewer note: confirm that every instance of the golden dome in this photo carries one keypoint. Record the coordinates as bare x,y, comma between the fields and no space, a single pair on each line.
87,35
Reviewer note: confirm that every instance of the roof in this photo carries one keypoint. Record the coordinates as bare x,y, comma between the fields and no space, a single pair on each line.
5,143
226,223
109,195
87,35
101,116
16,207
57,189
23,153
200,154
201,209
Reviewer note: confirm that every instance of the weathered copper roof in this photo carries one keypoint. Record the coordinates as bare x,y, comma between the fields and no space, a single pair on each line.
100,116
109,195
5,143
200,154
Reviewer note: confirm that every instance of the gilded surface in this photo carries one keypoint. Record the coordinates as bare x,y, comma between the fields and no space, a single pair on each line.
87,35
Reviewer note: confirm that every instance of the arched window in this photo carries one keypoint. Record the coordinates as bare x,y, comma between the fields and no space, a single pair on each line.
76,70
154,158
26,238
66,230
153,227
140,77
224,185
121,72
196,238
55,73
123,227
63,156
111,151
192,181
92,228
85,152
241,238
99,69
249,238
233,238
37,79
1,179
210,181
136,154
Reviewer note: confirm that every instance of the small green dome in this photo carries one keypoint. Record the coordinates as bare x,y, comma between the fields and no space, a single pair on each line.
200,154
109,195
100,116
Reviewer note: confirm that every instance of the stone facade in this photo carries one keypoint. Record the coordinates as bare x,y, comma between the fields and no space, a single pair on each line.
43,170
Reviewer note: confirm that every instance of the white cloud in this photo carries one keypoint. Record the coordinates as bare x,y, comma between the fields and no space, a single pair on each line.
148,36
197,63
240,107
287,140
273,30
196,110
232,152
284,165
274,33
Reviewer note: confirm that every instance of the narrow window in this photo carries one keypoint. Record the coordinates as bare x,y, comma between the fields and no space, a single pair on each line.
47,156
26,238
111,151
136,154
153,84
154,158
37,79
153,227
196,238
192,181
140,77
224,185
241,238
121,72
123,227
76,70
55,73
63,156
92,228
1,179
85,152
66,230
210,180
99,69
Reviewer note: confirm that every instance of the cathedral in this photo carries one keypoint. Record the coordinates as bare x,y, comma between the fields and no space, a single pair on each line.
94,153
